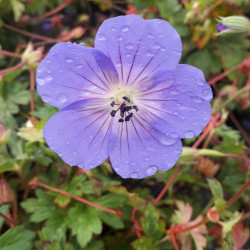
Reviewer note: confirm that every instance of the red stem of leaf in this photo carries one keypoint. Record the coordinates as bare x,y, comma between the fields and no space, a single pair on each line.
32,89
164,190
111,211
11,223
8,53
19,65
204,220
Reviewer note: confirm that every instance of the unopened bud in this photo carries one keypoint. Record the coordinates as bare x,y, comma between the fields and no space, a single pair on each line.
31,56
233,24
6,193
207,167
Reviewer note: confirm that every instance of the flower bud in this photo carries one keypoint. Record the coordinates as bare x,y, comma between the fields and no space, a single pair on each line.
6,193
207,167
31,56
233,24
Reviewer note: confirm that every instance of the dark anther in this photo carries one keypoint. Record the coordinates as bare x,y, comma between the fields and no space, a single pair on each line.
135,108
127,108
130,115
112,113
122,108
126,98
127,118
112,104
120,120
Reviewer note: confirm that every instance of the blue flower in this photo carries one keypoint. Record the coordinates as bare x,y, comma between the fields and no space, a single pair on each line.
127,99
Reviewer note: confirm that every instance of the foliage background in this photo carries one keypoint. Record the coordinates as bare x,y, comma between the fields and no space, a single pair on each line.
202,203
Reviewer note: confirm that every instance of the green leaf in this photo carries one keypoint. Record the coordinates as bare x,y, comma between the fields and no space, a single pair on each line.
145,243
3,210
227,226
151,223
84,223
216,188
17,238
111,220
18,8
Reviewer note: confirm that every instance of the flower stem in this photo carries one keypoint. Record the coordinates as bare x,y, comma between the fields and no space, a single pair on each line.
11,223
38,183
32,89
204,220
19,65
164,190
221,76
8,53
236,196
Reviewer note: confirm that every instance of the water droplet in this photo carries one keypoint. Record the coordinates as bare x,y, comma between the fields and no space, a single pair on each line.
200,82
196,99
48,61
60,154
69,60
163,49
150,35
156,46
129,46
116,168
74,153
91,165
45,98
113,29
79,66
128,55
62,98
67,142
166,140
50,138
178,53
119,38
189,134
48,71
149,53
82,44
174,92
52,147
40,81
80,165
133,175
132,164
48,78
101,37
125,28
175,135
151,170
52,53
146,159
207,94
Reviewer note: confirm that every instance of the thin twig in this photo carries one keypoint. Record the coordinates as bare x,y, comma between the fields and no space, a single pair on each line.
8,53
19,65
32,89
11,223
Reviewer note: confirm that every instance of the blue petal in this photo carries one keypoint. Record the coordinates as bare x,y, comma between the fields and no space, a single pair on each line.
179,107
78,133
137,150
72,72
139,48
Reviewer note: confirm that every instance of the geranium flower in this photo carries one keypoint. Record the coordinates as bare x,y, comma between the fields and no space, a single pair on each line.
127,99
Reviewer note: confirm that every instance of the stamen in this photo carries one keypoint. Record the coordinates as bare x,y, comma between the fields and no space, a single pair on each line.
112,104
127,118
126,98
120,120
112,113
135,108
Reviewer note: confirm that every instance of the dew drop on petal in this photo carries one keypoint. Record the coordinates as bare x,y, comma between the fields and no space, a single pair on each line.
60,154
167,140
69,60
101,37
48,78
113,29
67,142
196,99
146,158
119,38
174,92
91,165
149,53
79,66
151,170
74,153
48,61
40,81
207,94
125,28
62,98
52,147
200,82
189,134
129,46
174,135
133,175
80,165
116,168
150,35
128,55
45,98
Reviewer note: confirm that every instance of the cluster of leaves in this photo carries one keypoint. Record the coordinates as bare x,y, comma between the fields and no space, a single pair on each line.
39,216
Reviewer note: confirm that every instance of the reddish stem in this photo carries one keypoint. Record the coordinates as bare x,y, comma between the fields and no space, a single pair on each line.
8,53
172,237
237,195
26,33
11,223
221,76
111,211
204,220
53,11
32,89
164,190
19,65
133,214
